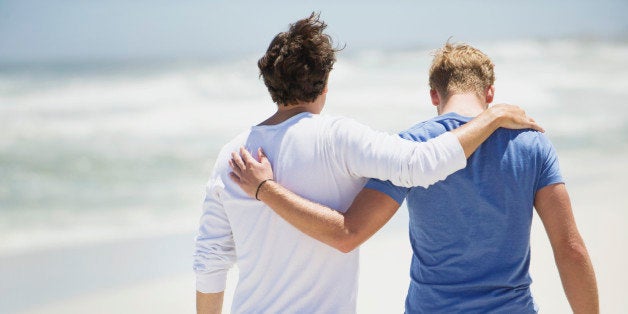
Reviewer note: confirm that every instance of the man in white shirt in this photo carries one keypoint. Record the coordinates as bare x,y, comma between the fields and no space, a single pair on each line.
323,158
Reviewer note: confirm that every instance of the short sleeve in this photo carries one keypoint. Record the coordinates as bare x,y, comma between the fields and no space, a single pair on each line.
550,170
397,193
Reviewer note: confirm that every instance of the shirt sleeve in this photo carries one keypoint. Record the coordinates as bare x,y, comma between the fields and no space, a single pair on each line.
398,193
368,153
550,168
215,248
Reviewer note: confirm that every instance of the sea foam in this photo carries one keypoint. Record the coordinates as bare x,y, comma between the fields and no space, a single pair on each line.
87,155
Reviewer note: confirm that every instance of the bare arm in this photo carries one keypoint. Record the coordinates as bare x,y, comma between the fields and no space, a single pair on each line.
368,213
209,303
572,259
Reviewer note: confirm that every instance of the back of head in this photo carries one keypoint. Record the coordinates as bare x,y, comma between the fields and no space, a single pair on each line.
297,63
461,68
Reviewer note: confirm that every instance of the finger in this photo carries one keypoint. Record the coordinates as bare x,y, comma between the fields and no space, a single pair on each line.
234,177
246,156
537,127
235,168
262,157
531,123
238,160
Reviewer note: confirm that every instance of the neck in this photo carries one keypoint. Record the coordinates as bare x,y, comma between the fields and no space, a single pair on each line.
469,105
284,113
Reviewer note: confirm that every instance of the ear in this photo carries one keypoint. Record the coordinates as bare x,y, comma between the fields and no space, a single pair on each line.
324,90
490,93
435,98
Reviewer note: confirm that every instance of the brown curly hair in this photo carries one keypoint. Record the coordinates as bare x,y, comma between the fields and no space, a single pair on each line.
297,63
461,68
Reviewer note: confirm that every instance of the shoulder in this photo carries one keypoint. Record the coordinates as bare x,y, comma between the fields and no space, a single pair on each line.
425,130
527,137
339,121
221,165
342,128
530,143
234,144
328,123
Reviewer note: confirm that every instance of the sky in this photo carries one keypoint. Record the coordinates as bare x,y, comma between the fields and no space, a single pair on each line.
62,30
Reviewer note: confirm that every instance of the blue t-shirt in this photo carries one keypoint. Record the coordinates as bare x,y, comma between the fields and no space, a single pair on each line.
470,234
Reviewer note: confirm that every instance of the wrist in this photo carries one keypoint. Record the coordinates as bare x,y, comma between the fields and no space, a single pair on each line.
260,188
495,118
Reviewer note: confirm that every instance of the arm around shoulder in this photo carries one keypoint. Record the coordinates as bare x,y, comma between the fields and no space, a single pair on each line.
364,152
368,213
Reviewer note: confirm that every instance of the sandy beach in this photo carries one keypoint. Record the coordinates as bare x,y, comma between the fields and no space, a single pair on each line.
153,275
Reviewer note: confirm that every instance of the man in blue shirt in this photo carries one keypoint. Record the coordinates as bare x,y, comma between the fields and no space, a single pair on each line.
470,234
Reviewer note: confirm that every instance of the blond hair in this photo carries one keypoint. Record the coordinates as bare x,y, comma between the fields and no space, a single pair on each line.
461,68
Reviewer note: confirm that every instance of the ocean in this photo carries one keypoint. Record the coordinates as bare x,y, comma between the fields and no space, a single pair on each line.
98,151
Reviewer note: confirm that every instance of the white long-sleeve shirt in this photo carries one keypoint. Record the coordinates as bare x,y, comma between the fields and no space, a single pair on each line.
322,158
